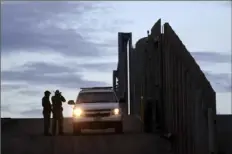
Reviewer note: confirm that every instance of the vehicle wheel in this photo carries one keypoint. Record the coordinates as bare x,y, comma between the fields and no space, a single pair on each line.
76,129
119,128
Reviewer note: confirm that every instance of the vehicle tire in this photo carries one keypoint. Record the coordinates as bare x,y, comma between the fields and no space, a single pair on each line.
119,128
76,129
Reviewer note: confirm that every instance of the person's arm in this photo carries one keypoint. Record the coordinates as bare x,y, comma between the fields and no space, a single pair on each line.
63,99
43,102
53,101
49,104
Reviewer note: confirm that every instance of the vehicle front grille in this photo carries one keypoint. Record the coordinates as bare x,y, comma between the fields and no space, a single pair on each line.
97,114
99,110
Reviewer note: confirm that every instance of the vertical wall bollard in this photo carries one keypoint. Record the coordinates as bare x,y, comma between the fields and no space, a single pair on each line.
148,116
211,132
157,115
142,109
142,113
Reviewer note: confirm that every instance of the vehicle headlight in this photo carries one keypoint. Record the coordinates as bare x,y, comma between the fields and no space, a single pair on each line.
116,111
77,112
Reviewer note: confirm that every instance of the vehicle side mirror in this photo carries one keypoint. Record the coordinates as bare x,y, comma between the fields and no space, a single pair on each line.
71,102
122,100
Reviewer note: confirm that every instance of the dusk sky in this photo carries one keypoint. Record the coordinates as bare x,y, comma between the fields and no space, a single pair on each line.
68,45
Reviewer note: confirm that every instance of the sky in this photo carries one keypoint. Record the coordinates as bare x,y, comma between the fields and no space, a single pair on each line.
68,45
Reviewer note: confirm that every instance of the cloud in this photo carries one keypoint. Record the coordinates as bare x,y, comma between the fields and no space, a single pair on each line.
41,73
227,4
101,67
216,66
65,29
30,92
37,33
214,57
6,110
66,45
220,82
31,113
5,107
35,26
31,36
7,87
43,68
44,46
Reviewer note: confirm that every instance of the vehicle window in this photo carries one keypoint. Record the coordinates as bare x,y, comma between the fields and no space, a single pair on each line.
95,97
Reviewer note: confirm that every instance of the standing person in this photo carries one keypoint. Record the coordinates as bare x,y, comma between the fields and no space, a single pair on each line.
47,108
57,100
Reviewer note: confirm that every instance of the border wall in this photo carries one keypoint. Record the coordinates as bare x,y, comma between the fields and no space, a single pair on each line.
184,102
224,133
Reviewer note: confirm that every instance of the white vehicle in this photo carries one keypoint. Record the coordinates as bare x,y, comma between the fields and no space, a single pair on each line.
97,108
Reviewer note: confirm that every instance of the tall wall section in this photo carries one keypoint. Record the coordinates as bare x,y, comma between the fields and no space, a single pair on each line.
189,102
161,69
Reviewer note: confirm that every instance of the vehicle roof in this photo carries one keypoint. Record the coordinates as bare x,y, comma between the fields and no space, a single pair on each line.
96,90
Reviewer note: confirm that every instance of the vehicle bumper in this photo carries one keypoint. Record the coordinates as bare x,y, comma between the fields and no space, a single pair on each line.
92,123
113,118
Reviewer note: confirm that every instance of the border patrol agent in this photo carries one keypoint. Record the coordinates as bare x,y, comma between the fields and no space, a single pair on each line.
46,112
57,100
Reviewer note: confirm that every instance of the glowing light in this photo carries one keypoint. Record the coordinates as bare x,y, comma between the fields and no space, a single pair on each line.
77,112
116,111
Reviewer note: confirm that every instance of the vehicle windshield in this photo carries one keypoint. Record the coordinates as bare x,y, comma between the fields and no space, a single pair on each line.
96,97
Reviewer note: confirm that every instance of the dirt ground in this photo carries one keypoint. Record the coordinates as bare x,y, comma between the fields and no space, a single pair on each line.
24,136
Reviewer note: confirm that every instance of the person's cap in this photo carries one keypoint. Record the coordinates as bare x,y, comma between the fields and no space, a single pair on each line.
57,92
47,92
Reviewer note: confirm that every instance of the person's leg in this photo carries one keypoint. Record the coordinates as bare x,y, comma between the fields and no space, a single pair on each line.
54,122
61,123
45,124
49,122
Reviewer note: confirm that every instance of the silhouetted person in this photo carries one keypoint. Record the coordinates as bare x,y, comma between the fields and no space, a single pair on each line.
57,110
47,108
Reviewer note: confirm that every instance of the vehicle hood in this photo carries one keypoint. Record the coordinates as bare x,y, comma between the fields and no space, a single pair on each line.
96,106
